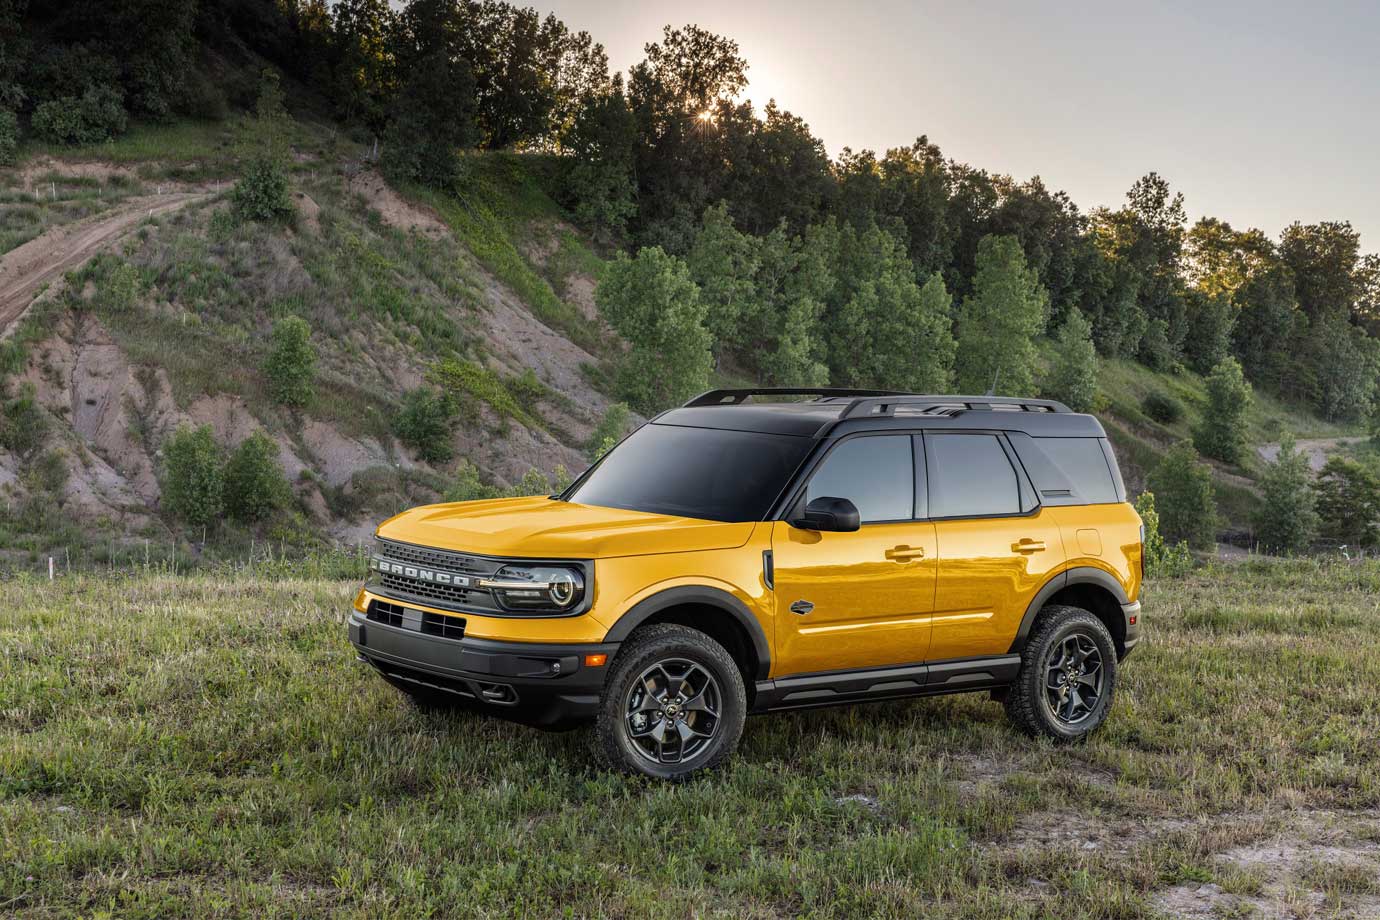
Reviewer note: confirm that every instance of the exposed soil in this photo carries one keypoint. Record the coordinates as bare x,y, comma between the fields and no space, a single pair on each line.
394,210
1315,449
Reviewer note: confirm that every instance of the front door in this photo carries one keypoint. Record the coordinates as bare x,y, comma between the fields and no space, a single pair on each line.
861,599
997,548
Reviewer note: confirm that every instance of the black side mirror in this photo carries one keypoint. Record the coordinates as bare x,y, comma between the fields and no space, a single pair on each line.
826,513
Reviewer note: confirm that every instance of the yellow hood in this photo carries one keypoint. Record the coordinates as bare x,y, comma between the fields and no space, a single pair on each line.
539,527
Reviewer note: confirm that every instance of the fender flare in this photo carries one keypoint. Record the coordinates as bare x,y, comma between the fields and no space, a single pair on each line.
1080,575
703,596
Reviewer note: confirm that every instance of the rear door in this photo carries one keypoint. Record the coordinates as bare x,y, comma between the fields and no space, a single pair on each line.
862,599
997,545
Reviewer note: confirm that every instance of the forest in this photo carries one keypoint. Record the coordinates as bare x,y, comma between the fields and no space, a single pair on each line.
749,247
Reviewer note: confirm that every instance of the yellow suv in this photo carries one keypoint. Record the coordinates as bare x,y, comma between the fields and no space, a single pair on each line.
747,553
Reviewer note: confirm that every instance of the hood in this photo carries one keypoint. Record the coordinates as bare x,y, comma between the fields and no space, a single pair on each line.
540,527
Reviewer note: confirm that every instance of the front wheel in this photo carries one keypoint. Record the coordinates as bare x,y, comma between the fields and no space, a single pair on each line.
674,704
1068,676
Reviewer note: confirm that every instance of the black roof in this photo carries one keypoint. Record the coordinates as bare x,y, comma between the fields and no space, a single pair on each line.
836,412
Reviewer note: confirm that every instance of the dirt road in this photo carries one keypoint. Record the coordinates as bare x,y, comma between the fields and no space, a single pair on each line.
1315,449
24,271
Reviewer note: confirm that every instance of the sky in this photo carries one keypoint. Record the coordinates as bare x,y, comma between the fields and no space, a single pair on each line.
1260,113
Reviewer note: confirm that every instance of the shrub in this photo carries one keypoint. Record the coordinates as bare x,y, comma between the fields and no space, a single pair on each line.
1349,503
23,425
425,424
1163,408
610,430
1287,519
1183,491
291,363
93,118
1162,560
468,487
262,192
1222,434
9,138
121,288
255,486
193,479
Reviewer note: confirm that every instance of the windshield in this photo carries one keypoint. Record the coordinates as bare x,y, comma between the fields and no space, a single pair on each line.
705,473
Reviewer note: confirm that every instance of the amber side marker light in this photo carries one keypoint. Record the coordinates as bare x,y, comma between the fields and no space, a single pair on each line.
596,661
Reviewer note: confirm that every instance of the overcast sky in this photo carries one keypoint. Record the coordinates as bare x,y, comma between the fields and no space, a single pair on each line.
1260,113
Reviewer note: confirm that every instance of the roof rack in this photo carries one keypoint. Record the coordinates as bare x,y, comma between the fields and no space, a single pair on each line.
735,397
885,405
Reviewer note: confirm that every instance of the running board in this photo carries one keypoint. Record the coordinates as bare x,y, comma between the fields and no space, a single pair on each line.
833,688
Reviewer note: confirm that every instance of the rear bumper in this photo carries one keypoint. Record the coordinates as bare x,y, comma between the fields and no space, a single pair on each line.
1131,612
540,684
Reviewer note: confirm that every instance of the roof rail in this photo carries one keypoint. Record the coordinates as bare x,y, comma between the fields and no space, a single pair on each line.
870,405
734,397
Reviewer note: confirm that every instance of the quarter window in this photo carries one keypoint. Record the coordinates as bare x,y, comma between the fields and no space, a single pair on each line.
875,473
970,476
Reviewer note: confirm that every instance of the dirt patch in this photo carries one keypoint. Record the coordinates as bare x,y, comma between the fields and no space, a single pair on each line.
1315,449
394,210
579,290
308,210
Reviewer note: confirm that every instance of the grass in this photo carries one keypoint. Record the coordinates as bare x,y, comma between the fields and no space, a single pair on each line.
54,200
206,746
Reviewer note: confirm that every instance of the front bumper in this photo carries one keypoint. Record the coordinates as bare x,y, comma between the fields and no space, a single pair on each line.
541,684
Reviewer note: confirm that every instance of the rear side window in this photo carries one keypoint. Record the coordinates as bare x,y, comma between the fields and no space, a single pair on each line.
970,476
875,473
1083,463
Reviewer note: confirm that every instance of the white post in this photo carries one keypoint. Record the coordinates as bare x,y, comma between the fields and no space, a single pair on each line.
50,568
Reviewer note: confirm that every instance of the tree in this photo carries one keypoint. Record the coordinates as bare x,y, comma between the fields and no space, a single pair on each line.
1162,559
1209,330
364,35
1287,518
613,424
785,327
999,320
425,423
723,263
9,138
193,479
261,194
255,486
1222,433
652,302
1349,503
598,184
433,119
1073,375
291,363
1184,495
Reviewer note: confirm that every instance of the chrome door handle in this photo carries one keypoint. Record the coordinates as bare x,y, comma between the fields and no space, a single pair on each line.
1027,545
904,553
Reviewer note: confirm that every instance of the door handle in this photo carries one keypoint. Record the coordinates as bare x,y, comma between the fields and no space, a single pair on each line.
904,553
1027,545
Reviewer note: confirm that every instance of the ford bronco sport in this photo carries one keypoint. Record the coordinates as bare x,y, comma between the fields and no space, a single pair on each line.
738,556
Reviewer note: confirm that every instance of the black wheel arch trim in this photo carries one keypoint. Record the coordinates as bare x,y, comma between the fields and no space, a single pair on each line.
697,595
1080,575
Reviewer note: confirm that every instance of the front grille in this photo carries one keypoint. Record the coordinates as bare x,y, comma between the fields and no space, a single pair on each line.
438,624
431,565
385,613
433,624
439,558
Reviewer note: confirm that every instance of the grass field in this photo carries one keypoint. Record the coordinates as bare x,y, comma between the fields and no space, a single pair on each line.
202,746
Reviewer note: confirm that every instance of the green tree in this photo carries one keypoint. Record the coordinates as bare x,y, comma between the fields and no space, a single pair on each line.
433,119
723,263
785,324
1349,503
96,116
1287,518
613,424
255,486
261,194
426,422
652,302
999,321
1222,432
193,478
9,138
1184,496
1162,559
291,363
598,183
1073,374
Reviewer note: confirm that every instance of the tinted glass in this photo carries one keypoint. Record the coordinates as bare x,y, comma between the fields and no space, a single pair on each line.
1082,462
694,472
970,476
874,473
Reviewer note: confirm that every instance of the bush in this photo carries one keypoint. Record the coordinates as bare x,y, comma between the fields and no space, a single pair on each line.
93,118
9,138
291,363
193,479
1349,503
425,424
255,486
1222,434
610,430
262,193
1162,560
1183,491
23,425
1163,408
121,288
1287,519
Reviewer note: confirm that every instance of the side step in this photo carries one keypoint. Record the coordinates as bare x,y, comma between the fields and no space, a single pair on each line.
835,688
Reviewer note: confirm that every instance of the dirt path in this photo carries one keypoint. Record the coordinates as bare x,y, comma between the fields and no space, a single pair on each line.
24,271
1316,449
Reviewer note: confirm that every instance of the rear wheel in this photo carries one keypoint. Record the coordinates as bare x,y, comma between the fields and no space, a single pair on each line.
674,704
1068,676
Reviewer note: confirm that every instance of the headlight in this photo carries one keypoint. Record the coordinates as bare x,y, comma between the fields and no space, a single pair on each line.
536,587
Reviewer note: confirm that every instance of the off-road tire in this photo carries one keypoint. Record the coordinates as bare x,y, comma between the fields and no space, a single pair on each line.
645,649
1027,703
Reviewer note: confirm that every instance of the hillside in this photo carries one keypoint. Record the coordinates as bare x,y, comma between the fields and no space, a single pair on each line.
167,326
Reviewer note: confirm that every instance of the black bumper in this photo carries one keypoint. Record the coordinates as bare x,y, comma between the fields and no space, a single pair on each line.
1131,612
540,684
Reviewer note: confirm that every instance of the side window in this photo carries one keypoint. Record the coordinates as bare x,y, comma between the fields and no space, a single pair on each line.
1082,461
970,476
875,473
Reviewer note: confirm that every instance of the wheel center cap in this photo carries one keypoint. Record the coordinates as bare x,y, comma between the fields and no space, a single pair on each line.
673,709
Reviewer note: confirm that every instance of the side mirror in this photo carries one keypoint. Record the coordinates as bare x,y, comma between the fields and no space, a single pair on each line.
832,514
